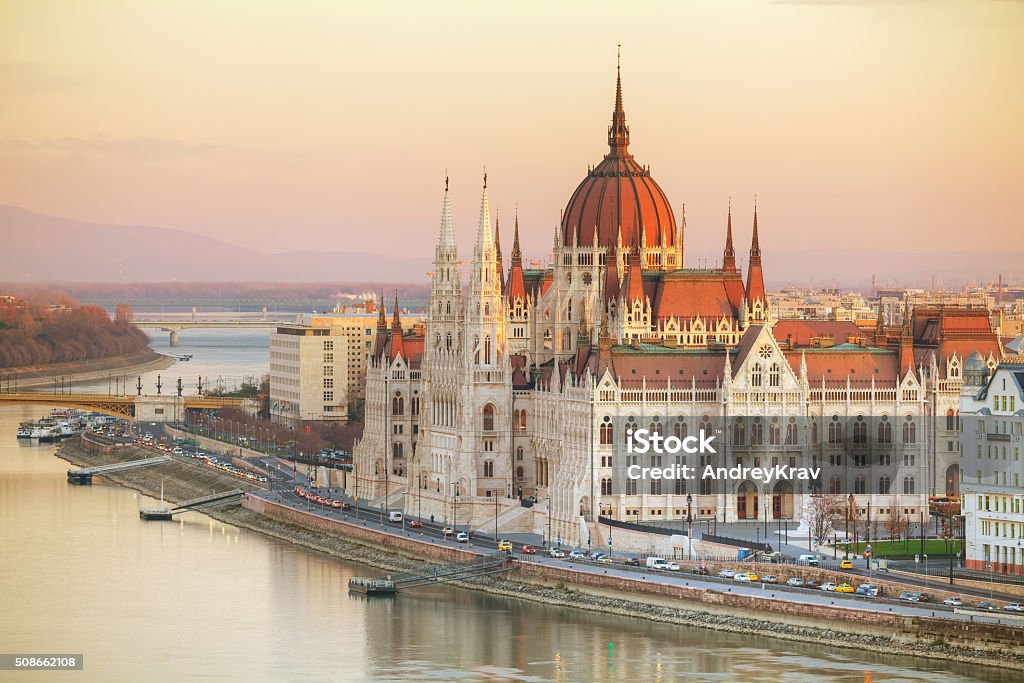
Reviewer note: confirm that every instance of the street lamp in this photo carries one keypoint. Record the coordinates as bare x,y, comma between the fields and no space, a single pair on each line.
689,527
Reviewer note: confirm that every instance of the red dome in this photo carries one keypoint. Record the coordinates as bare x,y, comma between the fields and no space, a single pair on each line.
619,192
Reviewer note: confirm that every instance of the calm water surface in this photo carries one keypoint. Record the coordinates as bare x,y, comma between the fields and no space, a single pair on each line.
199,600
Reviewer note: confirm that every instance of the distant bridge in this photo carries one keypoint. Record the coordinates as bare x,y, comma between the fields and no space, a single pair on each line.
176,325
150,408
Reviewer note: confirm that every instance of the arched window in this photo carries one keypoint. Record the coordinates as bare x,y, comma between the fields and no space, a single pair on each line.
607,431
908,484
755,375
739,433
489,417
909,430
398,404
885,430
774,375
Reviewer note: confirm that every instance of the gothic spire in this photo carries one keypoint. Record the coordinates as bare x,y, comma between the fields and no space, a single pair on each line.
618,132
729,255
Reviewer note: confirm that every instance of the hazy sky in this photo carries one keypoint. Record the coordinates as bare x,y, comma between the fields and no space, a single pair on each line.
305,125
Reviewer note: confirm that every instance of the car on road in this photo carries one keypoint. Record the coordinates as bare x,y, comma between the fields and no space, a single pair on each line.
726,574
416,524
771,578
868,590
795,582
505,544
827,586
846,564
556,552
986,605
1014,607
746,577
953,602
701,571
577,555
462,537
844,588
529,550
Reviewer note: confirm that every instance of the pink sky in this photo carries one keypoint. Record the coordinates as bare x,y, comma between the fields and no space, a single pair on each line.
328,124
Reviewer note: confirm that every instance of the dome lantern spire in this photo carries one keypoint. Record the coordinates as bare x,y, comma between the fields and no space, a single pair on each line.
618,132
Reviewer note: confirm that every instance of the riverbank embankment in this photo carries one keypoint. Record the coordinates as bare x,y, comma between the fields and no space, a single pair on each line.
878,632
79,372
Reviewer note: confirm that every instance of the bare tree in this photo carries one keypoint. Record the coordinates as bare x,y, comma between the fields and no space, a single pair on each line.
823,511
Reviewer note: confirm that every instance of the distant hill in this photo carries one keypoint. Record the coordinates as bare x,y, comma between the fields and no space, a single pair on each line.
41,248
37,247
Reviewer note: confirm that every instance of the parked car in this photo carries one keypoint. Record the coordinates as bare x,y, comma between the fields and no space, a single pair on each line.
726,574
556,552
844,588
702,571
462,537
828,586
795,582
505,544
1014,607
771,578
868,590
953,602
416,524
529,550
846,564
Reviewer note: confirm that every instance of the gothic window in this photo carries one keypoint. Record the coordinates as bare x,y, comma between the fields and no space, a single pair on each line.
835,431
398,404
909,430
792,434
607,432
774,376
489,417
755,375
885,430
774,432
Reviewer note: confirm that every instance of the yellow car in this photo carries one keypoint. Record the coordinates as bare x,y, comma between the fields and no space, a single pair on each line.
505,545
844,588
846,564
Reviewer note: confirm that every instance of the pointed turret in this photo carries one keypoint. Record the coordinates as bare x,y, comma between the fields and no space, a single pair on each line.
729,255
755,279
516,285
397,344
618,132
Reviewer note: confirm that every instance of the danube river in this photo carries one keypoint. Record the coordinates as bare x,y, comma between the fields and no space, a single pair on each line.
196,599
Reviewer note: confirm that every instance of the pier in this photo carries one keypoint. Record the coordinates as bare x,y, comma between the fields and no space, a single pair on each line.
431,574
84,476
202,503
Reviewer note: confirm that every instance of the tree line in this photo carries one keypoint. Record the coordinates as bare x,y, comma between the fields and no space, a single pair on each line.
52,328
